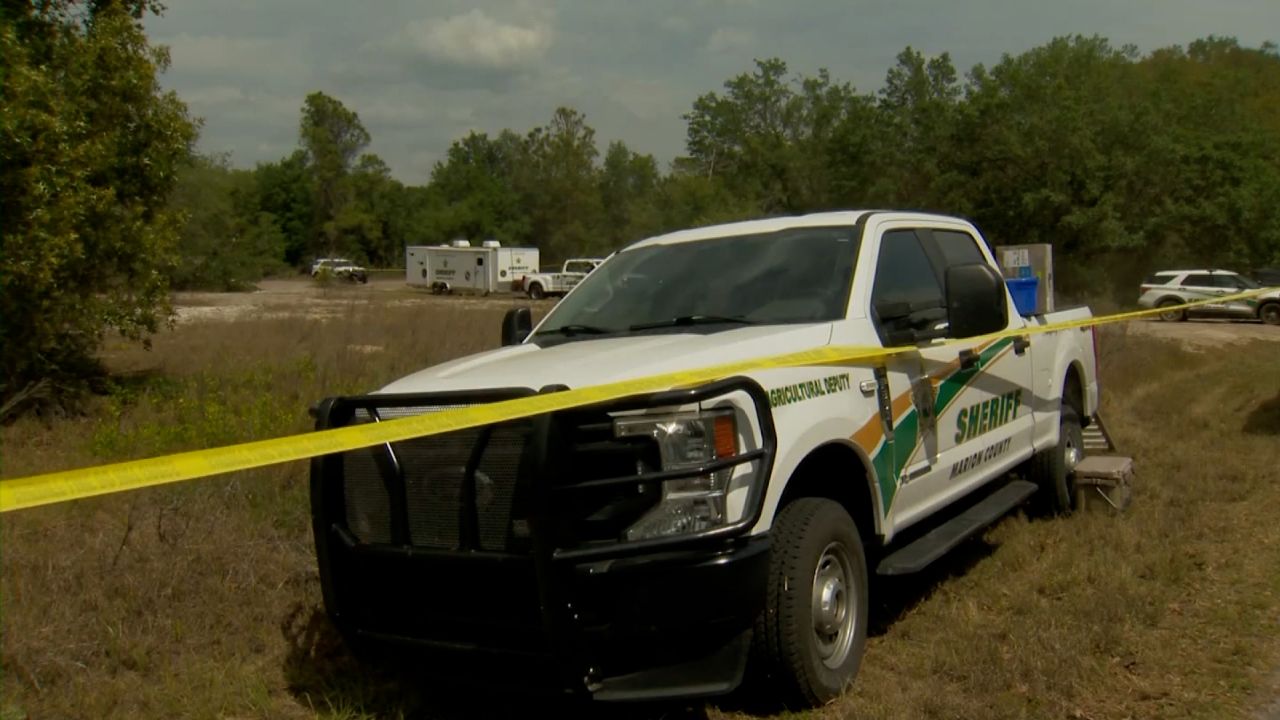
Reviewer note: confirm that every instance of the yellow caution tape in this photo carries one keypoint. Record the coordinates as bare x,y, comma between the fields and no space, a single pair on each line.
36,490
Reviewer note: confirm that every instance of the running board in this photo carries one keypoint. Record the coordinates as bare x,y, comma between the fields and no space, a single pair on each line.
935,543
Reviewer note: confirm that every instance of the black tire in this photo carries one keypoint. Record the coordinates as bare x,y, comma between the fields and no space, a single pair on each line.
1269,313
1051,468
535,292
1171,315
816,554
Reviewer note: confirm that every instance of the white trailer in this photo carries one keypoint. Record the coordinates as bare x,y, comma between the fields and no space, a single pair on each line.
458,267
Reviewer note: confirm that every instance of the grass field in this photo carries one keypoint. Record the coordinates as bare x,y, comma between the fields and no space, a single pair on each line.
201,600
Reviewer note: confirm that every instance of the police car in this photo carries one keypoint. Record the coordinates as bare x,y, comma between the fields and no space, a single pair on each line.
340,268
1169,288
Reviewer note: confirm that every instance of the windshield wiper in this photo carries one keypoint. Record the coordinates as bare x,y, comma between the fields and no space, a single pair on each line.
693,320
576,329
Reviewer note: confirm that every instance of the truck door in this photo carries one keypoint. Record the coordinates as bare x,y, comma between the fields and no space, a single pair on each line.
971,400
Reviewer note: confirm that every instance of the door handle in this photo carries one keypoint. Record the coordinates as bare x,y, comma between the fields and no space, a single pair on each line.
1020,345
968,359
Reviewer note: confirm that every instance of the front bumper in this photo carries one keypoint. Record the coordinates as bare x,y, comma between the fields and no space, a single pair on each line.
511,599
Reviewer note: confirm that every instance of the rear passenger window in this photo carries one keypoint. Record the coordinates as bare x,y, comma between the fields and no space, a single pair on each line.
1157,279
1198,280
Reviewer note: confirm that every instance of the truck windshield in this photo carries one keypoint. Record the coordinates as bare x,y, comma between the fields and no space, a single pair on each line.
799,275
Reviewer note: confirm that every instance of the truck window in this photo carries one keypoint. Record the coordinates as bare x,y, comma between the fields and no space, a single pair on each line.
958,248
1198,280
904,275
798,275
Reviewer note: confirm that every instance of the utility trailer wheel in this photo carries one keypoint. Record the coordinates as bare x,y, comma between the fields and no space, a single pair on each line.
810,638
1051,468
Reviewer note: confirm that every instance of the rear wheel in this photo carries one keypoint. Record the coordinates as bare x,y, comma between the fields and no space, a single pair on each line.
812,633
535,292
1172,315
1270,313
1052,468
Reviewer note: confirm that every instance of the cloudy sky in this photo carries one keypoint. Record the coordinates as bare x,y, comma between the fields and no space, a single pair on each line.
422,73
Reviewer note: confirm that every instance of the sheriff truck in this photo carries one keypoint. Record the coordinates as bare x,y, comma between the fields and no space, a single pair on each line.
666,544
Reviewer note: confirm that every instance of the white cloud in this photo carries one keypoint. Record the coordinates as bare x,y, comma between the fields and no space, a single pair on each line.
725,40
474,39
677,24
648,99
213,95
421,73
228,55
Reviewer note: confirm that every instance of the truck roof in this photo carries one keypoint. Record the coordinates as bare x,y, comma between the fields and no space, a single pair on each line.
751,227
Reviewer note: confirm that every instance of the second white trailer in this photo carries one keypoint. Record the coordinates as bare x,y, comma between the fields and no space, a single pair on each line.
466,269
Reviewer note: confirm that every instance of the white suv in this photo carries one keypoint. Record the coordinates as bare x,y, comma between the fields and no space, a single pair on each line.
342,268
1175,287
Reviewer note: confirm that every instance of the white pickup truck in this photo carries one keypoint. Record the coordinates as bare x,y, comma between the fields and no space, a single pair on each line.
550,284
649,547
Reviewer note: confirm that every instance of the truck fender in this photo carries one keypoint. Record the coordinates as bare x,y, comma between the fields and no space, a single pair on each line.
1066,383
836,469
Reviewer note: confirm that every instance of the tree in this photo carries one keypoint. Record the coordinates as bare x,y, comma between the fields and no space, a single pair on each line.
560,188
91,147
474,189
629,195
918,105
226,242
284,190
770,138
333,138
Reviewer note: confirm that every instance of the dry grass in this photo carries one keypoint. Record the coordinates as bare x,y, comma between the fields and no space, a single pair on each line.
201,600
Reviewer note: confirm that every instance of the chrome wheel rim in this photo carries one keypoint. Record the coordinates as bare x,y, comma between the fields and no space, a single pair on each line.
834,604
1071,453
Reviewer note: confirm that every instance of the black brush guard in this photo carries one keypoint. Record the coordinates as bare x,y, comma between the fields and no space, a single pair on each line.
494,554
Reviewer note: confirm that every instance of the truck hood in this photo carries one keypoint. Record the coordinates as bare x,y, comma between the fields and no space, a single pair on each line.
591,362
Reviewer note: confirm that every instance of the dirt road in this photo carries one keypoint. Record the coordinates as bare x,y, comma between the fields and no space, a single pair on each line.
302,297
1202,335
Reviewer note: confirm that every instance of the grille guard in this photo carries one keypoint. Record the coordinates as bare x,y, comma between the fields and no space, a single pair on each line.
544,587
328,502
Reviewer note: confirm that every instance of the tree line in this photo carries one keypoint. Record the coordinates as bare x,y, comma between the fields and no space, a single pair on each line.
1119,160
1122,161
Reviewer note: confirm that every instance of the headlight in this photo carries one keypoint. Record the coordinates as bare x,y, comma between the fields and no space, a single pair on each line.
700,502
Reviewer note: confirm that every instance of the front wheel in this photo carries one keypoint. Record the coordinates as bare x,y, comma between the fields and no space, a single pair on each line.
813,630
1270,313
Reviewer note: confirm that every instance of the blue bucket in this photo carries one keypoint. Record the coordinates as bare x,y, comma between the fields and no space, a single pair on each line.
1023,290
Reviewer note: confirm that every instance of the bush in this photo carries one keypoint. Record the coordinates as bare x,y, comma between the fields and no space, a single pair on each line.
91,147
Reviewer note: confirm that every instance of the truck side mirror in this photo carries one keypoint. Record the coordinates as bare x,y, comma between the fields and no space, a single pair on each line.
516,326
976,300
